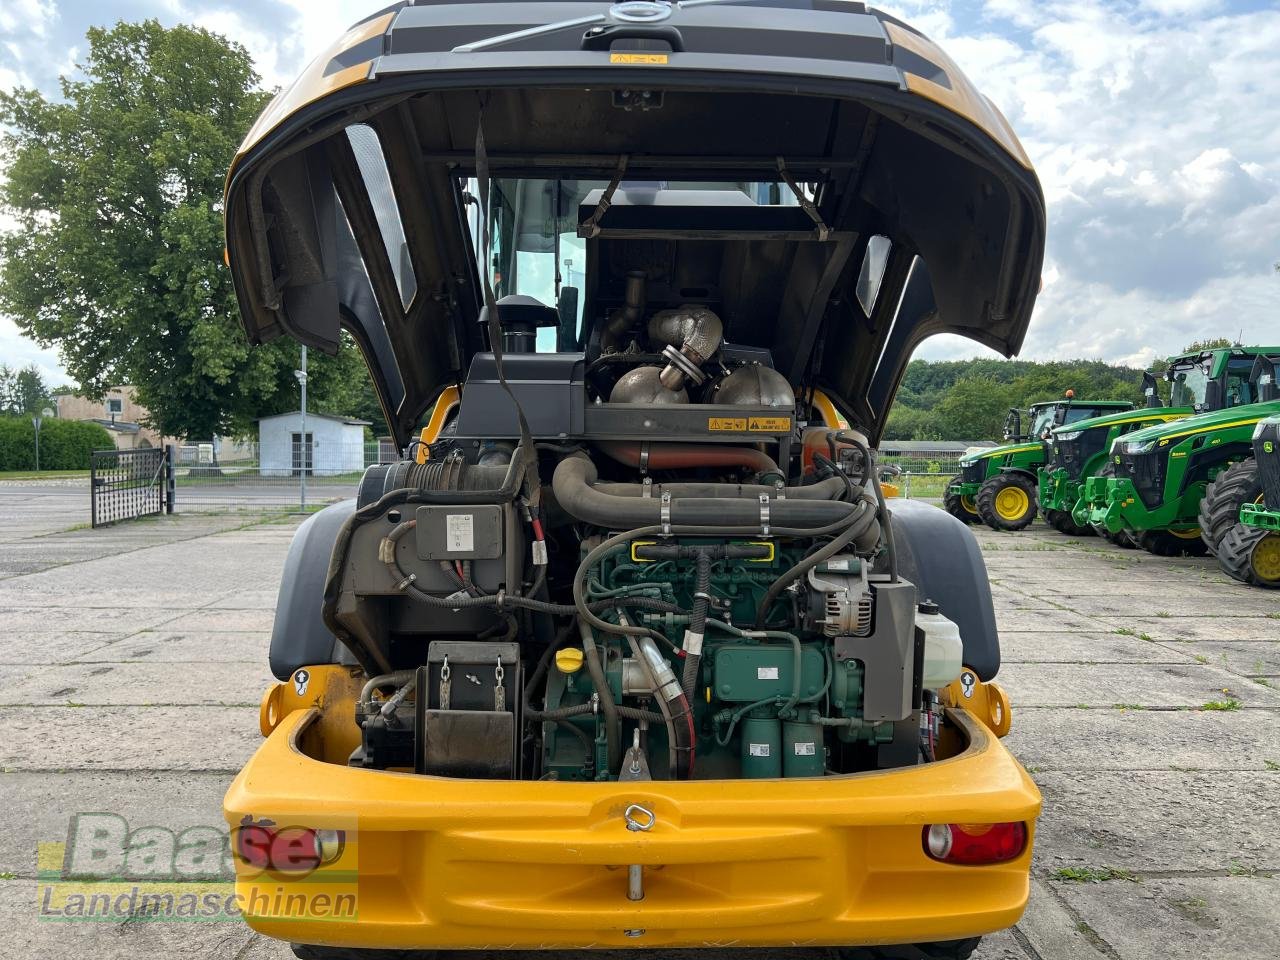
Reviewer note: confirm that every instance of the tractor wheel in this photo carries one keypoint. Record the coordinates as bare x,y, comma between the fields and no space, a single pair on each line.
962,508
1007,502
945,950
1167,543
1064,523
1123,539
1220,508
1251,555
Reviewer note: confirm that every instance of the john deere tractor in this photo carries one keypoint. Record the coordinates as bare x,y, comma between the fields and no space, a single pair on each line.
1078,450
1162,474
998,485
1250,550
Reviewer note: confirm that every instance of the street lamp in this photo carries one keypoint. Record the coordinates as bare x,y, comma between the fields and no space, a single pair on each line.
35,423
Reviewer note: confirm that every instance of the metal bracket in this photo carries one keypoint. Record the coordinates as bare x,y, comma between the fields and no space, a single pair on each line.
665,515
806,204
764,514
646,484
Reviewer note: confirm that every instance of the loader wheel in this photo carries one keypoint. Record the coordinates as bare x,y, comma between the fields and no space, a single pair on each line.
962,508
1168,543
1007,502
1064,523
1220,508
1251,555
943,950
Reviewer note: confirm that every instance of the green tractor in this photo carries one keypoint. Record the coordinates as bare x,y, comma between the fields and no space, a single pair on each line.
1178,487
1250,550
998,485
1079,450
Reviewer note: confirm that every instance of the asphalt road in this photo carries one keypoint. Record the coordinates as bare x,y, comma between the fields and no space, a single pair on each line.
133,659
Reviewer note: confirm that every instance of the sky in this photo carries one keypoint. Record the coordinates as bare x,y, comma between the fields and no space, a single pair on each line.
1154,126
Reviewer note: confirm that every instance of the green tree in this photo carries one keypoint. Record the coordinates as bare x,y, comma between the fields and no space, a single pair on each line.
973,409
116,256
22,391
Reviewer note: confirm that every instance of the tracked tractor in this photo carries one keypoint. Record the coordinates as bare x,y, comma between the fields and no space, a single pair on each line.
998,486
1250,550
1176,488
628,650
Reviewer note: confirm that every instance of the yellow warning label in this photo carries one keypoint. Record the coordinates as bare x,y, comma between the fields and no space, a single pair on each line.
727,423
638,58
768,424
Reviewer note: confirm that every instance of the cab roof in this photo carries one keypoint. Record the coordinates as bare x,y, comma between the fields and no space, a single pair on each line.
894,139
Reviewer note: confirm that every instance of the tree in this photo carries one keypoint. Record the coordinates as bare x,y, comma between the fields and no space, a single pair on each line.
116,256
22,391
973,409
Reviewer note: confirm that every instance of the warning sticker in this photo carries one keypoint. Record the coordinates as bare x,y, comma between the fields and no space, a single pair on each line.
460,532
806,749
656,59
768,424
757,749
766,673
735,424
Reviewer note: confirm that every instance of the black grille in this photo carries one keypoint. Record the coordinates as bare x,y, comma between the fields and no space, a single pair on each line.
1146,470
1269,463
974,472
1072,455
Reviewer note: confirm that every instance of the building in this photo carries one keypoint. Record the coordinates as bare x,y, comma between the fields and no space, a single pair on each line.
118,412
332,445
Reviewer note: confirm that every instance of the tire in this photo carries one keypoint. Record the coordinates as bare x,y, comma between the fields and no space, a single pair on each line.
962,508
1220,509
1164,543
1251,555
944,950
1007,502
1064,523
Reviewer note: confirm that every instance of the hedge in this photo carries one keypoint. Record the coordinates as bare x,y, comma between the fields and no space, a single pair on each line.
64,444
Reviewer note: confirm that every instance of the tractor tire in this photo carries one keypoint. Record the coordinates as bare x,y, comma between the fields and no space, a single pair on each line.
962,508
1064,523
943,950
1251,555
1164,543
1007,502
1220,509
1123,539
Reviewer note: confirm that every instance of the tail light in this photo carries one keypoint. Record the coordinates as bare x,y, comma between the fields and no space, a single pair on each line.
975,843
263,845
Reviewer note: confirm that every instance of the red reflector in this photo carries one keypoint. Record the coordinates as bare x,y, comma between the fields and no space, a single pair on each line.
975,843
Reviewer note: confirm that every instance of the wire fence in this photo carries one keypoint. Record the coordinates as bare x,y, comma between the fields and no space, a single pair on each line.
287,477
921,476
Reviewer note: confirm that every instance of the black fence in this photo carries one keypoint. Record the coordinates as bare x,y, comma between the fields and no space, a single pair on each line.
127,484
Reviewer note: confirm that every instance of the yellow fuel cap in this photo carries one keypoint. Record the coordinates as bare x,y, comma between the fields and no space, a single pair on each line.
569,660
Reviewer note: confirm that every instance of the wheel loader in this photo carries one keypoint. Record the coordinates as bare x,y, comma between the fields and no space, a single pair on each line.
1082,450
998,486
1249,551
628,650
1177,488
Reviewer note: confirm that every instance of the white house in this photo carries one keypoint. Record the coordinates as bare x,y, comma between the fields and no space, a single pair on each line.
332,444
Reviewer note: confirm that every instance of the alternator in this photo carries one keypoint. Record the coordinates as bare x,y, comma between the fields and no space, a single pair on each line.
841,584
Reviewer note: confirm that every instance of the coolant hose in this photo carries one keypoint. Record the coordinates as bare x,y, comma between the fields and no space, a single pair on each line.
697,628
574,479
676,456
612,726
828,489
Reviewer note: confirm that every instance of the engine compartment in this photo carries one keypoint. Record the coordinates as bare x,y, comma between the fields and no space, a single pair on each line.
703,587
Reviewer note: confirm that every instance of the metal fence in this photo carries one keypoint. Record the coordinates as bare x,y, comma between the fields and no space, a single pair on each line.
920,476
127,484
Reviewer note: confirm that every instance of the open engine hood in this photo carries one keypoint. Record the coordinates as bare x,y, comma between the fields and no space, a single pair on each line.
819,91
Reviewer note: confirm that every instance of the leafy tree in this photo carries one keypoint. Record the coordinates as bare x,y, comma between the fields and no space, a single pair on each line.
116,256
973,409
22,391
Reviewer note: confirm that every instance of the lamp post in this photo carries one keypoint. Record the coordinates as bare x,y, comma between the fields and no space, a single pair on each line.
35,423
302,381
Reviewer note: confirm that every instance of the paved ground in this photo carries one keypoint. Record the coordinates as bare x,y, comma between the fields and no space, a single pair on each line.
133,658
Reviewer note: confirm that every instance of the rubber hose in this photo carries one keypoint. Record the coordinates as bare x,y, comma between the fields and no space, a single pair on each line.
829,489
676,456
612,725
697,624
808,563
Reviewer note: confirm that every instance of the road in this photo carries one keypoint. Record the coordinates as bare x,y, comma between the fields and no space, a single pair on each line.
134,658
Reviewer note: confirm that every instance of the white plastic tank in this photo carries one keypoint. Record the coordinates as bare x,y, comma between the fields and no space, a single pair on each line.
943,648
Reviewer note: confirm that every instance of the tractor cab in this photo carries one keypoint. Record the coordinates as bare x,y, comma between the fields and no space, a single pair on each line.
1047,416
1219,379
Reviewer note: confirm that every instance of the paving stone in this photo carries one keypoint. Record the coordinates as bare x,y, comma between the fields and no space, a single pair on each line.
1245,657
95,684
1053,933
127,738
1185,918
1013,620
73,617
1240,601
222,621
1158,820
1100,647
190,646
1187,684
53,646
1056,738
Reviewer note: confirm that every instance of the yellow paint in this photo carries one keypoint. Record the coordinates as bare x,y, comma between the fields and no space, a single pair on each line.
890,490
446,403
453,863
1217,426
827,410
1192,534
647,59
331,689
986,701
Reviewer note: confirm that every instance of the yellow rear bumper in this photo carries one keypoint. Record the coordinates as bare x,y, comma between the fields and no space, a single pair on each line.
447,863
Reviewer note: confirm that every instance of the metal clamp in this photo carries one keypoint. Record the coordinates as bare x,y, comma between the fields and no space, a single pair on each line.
639,819
665,514
644,456
764,514
646,484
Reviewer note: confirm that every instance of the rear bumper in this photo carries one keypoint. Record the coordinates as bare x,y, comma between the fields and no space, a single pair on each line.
447,863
